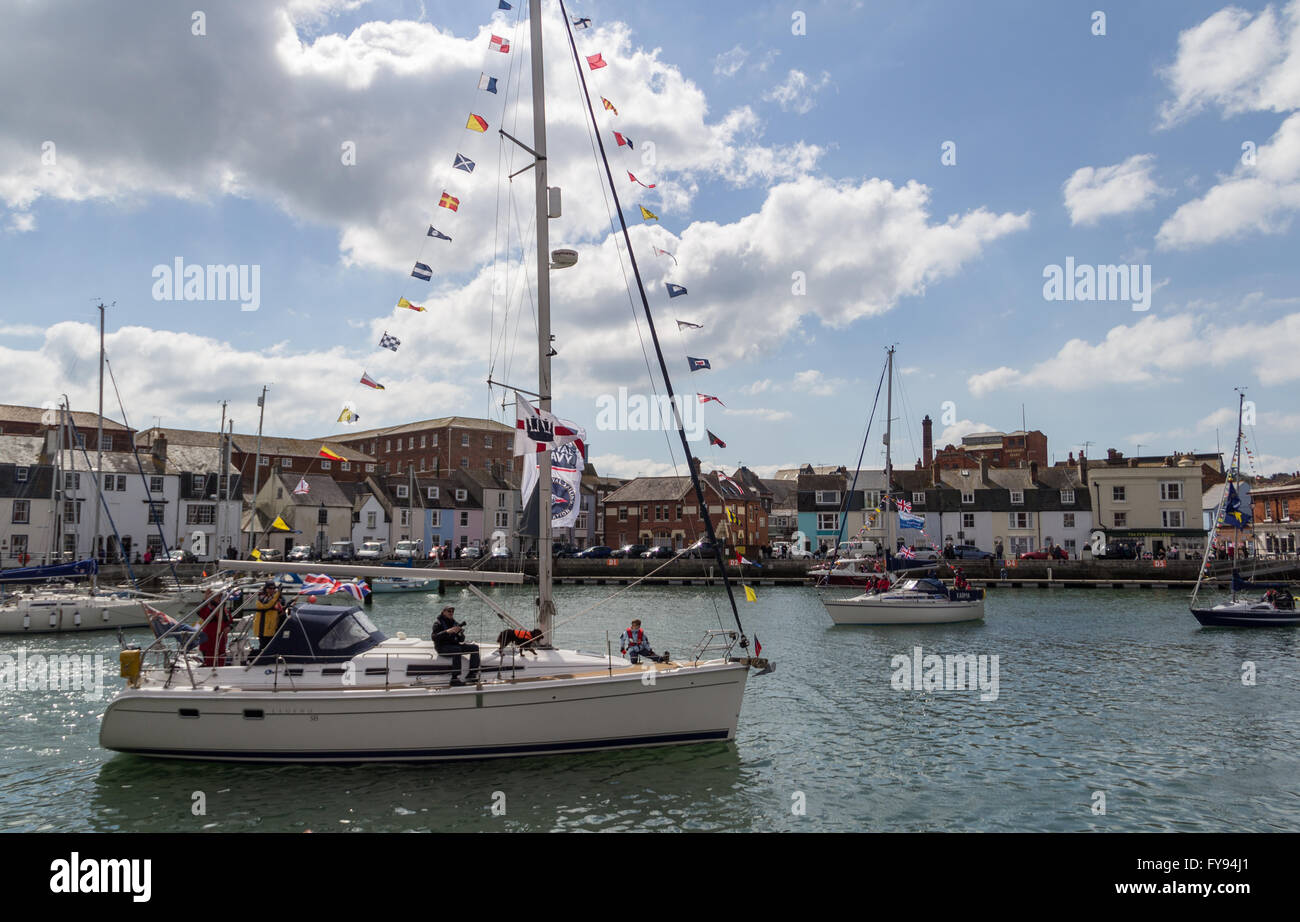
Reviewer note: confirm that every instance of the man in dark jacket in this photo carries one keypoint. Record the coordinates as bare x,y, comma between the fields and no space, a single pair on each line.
449,637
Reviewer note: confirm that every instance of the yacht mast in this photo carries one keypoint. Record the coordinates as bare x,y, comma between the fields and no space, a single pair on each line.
1235,479
257,469
891,515
545,605
99,438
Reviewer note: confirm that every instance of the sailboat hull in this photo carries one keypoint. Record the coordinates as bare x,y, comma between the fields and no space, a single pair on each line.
867,610
1229,616
684,704
55,615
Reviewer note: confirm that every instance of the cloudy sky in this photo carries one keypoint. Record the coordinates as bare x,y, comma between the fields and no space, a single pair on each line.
829,179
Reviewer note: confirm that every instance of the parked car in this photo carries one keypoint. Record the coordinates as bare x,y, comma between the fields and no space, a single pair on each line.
630,550
179,555
560,549
408,550
470,552
269,553
922,552
600,550
372,550
970,552
701,549
1119,550
301,552
858,547
1035,555
660,552
342,550
501,551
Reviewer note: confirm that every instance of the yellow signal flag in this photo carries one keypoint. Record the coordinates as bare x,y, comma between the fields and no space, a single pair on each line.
255,554
279,525
647,214
750,594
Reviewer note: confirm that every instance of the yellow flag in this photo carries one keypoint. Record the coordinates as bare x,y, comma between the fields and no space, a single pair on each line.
750,595
255,554
402,302
647,214
279,525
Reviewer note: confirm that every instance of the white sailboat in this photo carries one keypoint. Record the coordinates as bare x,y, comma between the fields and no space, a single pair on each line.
919,600
332,687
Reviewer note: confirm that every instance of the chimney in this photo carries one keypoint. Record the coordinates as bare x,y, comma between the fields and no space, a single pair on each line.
1033,472
158,448
934,475
1071,462
695,466
1113,455
984,470
927,441
1083,468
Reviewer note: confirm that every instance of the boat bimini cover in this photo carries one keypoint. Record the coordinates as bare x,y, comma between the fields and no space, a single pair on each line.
322,634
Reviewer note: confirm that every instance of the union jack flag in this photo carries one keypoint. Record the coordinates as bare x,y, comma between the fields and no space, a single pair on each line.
904,506
320,584
906,553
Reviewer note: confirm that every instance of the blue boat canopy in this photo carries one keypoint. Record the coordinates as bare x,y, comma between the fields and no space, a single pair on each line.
322,634
77,569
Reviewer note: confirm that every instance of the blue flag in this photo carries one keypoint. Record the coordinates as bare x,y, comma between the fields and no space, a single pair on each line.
463,163
675,291
1235,512
697,364
487,83
908,520
434,232
503,6
422,272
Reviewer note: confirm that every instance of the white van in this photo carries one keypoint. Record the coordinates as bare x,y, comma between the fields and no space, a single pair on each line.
858,547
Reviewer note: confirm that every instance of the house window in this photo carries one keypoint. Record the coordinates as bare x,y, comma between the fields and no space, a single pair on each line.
322,516
403,518
968,496
1017,497
121,483
464,463
487,464
22,512
155,513
422,441
967,520
828,497
1118,495
345,465
503,520
1171,518
403,492
432,492
370,519
501,500
388,445
18,546
108,483
326,465
622,513
464,523
1070,547
487,441
370,468
645,513
20,474
1067,519
1067,497
107,444
201,514
1020,520
286,462
460,496
411,443
871,498
196,483
1171,491
434,443
71,481
510,464
828,521
263,462
155,484
435,518
918,499
464,440
1121,520
582,521
81,440
679,510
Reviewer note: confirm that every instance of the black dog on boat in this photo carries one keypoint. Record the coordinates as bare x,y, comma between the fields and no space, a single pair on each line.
526,641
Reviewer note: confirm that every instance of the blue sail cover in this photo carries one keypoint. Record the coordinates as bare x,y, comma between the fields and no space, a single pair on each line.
1239,583
75,570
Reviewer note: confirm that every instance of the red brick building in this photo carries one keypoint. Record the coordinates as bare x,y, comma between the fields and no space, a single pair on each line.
437,446
664,510
1001,449
16,420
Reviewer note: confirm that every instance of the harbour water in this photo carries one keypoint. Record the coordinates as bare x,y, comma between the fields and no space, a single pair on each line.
1101,694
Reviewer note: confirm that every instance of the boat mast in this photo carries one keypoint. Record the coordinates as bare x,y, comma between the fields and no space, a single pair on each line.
891,516
545,604
257,469
1234,477
99,438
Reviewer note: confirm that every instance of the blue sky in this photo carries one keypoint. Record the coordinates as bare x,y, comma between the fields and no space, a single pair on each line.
224,149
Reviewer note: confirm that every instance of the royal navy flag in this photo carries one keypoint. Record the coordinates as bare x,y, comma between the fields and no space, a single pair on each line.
697,364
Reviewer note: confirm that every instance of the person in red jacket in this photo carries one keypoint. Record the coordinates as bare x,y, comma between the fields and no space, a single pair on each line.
636,643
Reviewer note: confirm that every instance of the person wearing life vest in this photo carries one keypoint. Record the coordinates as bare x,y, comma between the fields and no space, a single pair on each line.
267,613
214,622
959,579
636,643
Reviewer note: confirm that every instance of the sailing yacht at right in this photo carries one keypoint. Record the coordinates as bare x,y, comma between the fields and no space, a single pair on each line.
1276,607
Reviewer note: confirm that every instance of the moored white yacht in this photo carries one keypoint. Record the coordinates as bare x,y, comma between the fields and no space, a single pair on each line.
331,687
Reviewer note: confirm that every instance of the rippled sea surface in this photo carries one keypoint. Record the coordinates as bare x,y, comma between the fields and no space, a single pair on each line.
1099,691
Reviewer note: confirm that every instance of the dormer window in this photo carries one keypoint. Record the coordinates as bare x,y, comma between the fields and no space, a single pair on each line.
918,499
968,496
403,492
460,496
1067,497
828,497
1017,497
432,492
